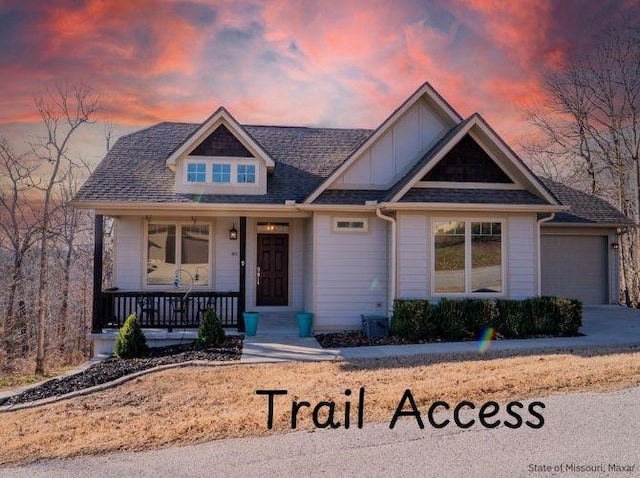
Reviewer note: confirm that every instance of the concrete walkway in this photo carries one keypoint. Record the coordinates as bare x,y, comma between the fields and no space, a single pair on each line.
602,326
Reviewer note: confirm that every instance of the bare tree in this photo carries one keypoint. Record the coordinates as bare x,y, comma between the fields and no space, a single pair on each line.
591,126
63,110
19,225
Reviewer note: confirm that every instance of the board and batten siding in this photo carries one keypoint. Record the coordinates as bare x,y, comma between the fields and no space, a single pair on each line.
129,238
396,150
351,273
415,248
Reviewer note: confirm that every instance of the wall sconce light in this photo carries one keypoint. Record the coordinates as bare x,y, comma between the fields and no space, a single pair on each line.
233,233
615,246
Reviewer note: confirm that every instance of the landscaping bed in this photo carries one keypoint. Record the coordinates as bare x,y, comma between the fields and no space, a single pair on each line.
114,368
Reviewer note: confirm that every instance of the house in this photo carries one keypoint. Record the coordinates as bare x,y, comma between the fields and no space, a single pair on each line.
338,222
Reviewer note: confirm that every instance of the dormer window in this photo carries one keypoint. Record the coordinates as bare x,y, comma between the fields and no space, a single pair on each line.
246,173
196,172
221,173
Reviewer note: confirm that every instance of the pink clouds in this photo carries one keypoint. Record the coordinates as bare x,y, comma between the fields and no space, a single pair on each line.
340,63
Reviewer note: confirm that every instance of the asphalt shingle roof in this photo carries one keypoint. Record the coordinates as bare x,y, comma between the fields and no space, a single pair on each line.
134,170
585,208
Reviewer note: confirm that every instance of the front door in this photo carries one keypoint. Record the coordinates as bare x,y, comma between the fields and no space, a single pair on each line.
272,275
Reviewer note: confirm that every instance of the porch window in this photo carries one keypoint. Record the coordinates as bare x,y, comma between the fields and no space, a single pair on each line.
467,257
246,173
221,173
166,254
196,172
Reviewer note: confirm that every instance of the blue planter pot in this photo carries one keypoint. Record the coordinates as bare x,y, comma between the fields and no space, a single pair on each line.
305,321
250,323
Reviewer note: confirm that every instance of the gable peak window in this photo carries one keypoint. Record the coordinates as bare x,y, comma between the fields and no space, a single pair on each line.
221,173
246,174
196,172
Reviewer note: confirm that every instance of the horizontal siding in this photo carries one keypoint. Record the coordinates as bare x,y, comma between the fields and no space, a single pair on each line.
413,254
351,275
521,256
128,253
226,256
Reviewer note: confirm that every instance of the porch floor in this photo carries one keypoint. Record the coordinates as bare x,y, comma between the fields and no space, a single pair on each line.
277,340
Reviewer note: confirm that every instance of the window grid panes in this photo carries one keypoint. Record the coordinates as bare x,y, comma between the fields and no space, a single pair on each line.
196,172
221,173
246,173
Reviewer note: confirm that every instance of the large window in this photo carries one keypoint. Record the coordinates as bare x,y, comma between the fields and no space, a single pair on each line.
186,258
467,257
196,172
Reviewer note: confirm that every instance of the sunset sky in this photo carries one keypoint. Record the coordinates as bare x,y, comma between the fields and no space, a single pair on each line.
318,63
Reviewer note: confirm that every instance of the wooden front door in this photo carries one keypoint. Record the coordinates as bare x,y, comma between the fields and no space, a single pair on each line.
272,275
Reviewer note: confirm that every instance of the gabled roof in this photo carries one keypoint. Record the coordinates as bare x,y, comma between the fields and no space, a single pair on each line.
439,151
220,117
135,169
426,90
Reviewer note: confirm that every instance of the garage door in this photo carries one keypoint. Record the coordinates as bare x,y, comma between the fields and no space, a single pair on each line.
576,267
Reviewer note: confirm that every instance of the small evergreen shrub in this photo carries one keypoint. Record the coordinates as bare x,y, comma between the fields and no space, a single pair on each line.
210,331
130,341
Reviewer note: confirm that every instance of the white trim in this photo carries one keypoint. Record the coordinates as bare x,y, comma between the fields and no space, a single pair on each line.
220,117
425,90
466,185
442,206
467,257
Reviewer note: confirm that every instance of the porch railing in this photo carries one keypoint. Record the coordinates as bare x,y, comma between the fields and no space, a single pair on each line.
167,309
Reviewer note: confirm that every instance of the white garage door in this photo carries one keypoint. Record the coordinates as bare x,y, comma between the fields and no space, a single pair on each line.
576,267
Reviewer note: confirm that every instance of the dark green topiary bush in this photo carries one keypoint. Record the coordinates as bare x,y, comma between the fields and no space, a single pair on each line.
130,341
210,331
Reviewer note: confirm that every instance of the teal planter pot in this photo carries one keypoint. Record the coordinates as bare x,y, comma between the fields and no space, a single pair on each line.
250,323
305,321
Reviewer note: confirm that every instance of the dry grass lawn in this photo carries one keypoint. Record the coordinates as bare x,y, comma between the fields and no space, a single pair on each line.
192,405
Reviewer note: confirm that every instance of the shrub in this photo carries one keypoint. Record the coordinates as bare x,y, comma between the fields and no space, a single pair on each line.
210,331
412,319
130,341
467,318
508,321
451,320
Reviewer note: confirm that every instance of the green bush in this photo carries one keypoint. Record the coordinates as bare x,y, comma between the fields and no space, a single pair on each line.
210,331
508,321
468,318
130,341
412,319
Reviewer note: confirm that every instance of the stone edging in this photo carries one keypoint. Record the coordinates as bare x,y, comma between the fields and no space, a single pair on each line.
114,383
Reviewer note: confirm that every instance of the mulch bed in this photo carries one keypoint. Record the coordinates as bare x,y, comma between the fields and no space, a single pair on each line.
358,339
114,368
